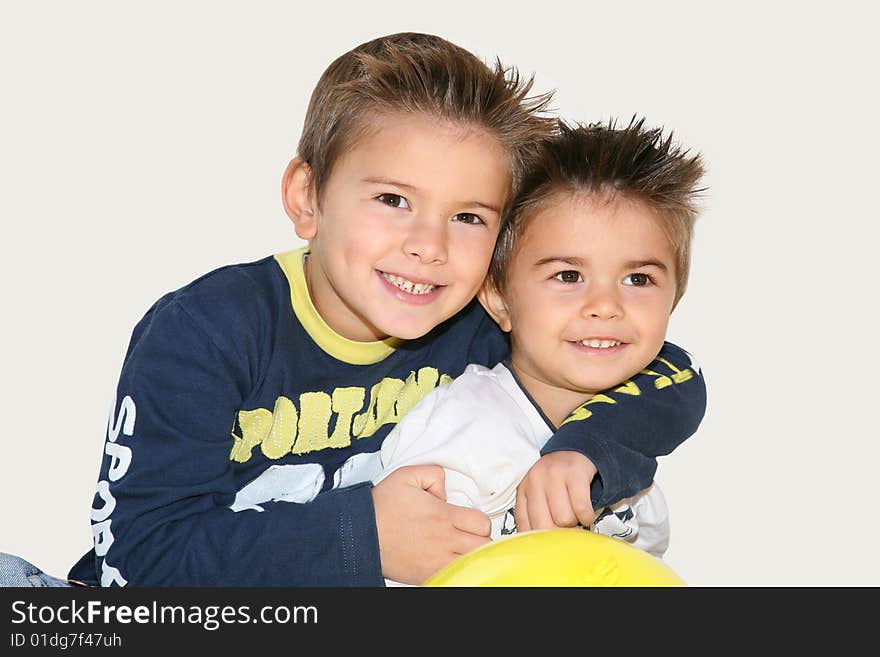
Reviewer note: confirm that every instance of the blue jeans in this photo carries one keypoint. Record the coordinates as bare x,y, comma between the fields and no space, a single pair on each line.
15,571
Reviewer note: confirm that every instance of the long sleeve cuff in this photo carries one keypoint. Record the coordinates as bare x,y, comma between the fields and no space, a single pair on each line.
359,538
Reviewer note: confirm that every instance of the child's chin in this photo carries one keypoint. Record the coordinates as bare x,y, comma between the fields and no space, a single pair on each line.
404,330
409,333
596,384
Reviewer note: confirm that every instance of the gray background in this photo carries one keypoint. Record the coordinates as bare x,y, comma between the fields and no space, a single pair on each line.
142,145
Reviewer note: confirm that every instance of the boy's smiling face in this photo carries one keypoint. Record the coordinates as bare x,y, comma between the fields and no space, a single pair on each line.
402,238
589,291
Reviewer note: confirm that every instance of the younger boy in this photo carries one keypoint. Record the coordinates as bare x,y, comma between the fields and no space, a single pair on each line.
585,274
243,392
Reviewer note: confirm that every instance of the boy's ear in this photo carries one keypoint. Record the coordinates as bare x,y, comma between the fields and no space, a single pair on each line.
492,300
298,199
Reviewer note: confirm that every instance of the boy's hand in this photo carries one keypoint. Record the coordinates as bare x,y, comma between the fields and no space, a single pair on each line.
556,493
419,532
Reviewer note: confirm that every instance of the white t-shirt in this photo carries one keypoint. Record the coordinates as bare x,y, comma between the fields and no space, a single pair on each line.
486,433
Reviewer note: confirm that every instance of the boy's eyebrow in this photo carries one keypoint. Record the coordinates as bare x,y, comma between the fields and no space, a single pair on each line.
480,204
635,264
388,181
403,185
568,260
579,262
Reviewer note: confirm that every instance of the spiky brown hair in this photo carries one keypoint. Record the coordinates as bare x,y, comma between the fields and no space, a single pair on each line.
411,72
603,160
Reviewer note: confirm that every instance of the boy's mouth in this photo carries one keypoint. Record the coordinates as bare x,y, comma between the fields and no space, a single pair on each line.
600,343
408,286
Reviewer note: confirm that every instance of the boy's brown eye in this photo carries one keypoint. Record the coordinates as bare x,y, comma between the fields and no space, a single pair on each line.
394,200
568,276
637,280
468,218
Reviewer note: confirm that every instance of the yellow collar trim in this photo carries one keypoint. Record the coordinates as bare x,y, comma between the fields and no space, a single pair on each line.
348,351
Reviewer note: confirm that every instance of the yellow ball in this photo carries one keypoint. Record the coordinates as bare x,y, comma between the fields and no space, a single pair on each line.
556,557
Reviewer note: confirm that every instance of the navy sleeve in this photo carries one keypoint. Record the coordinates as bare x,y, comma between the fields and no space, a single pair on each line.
161,515
489,344
623,431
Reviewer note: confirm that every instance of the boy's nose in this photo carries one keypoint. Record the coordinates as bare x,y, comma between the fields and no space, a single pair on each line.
426,241
602,302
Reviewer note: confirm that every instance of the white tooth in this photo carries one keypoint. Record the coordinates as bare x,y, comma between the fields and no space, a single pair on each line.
599,344
408,286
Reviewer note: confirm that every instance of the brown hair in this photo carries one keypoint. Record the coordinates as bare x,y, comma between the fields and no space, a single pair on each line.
410,72
600,159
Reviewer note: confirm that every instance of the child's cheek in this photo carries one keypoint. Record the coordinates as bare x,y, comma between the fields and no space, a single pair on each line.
472,258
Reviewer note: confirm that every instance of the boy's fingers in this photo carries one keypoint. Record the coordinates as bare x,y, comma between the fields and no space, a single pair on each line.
561,507
521,512
431,478
464,543
579,495
471,521
539,513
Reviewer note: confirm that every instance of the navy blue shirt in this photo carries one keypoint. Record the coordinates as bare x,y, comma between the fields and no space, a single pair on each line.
236,373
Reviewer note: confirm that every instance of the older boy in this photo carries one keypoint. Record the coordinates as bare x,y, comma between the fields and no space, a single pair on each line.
243,393
585,274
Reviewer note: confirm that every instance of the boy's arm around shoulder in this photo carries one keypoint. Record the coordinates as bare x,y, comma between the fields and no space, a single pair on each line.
162,514
623,431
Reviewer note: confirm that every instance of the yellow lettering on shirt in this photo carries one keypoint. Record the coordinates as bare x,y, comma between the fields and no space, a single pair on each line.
580,413
630,388
346,402
679,376
282,433
414,389
600,399
314,422
287,430
381,408
254,426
